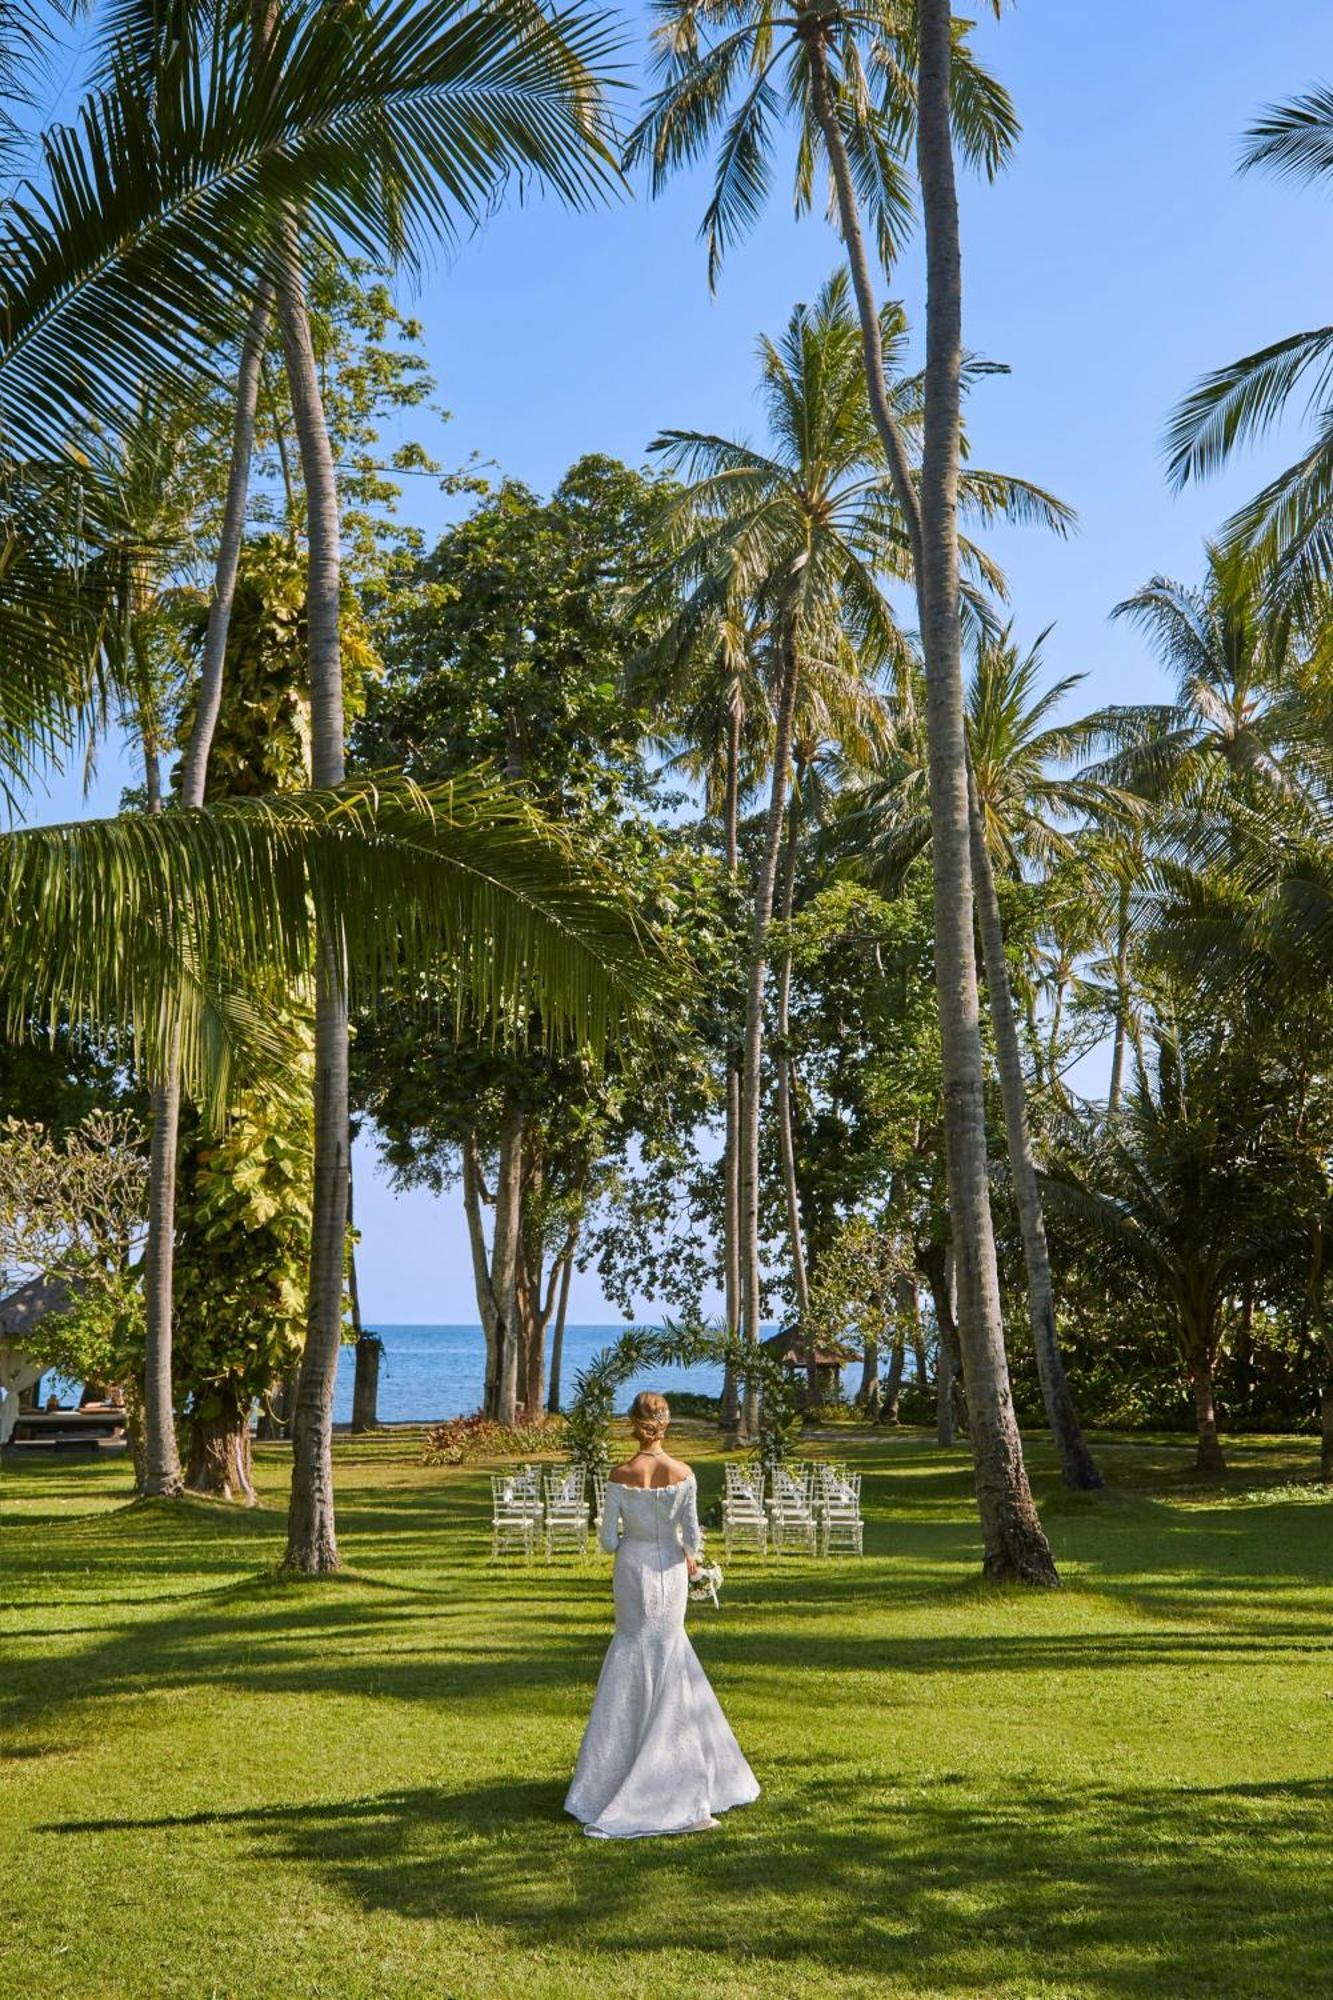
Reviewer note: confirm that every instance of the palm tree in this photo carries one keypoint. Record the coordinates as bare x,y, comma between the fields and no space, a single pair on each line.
1237,664
1022,797
802,532
705,682
432,111
1285,533
1016,1544
848,79
867,83
137,922
115,923
1188,1184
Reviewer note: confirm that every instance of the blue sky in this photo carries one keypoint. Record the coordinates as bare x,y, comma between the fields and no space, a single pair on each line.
1118,258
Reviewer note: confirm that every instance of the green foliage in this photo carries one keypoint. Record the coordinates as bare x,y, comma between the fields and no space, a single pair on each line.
136,249
261,741
100,1337
243,1242
510,642
689,1345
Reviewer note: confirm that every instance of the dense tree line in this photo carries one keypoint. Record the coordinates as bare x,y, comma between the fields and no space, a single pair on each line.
690,866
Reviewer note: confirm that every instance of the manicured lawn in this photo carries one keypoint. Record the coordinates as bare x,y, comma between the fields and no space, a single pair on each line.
215,1784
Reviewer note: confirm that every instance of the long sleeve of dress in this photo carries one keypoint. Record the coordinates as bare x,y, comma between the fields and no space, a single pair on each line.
690,1538
609,1532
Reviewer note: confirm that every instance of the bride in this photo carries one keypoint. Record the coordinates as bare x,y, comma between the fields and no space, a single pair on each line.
658,1755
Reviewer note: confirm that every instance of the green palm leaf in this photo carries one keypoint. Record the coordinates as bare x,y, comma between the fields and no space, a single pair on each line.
111,921
387,126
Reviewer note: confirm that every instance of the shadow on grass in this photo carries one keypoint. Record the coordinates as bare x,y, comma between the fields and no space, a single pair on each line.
1127,1891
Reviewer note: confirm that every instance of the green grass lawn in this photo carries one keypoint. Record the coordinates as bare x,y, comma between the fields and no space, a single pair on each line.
216,1784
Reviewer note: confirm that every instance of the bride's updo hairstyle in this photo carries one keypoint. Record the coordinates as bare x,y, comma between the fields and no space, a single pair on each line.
649,1415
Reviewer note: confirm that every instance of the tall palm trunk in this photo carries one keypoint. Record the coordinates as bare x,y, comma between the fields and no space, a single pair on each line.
1122,1003
1015,1545
312,1547
752,1058
194,762
1012,1535
1209,1457
786,1122
161,1454
1077,1468
858,263
558,1335
934,1264
474,1196
162,1476
731,1179
505,1250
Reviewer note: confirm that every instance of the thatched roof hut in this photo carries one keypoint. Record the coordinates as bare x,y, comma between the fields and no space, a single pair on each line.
21,1312
790,1346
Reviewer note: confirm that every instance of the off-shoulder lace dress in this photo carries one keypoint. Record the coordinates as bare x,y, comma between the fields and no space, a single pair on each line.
658,1755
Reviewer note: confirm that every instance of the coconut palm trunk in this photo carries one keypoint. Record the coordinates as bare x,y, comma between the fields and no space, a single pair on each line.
1077,1468
934,1264
791,1191
752,1058
505,1252
163,1477
558,1335
1015,1546
786,1119
867,308
731,1182
312,1546
1122,1003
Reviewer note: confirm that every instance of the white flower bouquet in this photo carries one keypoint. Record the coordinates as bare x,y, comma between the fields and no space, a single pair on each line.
706,1582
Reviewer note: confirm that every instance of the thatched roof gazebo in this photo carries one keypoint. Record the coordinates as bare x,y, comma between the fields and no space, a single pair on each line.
791,1347
20,1315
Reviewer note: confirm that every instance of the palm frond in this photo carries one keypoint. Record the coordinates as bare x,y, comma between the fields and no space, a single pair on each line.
1238,403
1296,138
126,258
108,922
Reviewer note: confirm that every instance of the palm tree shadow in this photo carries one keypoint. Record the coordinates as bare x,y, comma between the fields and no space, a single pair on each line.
1132,1892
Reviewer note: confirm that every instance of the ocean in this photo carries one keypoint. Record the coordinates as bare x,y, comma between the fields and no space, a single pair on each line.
431,1372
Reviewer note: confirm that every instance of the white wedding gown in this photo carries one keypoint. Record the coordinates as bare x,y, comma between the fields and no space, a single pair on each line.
658,1755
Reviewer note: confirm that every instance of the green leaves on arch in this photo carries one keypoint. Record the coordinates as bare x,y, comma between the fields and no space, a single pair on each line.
690,1345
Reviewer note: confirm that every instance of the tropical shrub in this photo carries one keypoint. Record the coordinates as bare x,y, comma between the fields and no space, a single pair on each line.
461,1440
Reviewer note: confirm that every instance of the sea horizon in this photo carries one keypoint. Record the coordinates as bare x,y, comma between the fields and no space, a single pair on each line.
434,1370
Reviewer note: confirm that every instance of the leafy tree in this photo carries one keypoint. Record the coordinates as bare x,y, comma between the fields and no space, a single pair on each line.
1023,796
513,643
1192,1185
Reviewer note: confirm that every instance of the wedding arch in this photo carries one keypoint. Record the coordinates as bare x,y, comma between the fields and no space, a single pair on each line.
671,1346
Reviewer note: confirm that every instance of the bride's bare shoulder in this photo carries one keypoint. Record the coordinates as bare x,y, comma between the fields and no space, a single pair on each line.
679,1471
622,1474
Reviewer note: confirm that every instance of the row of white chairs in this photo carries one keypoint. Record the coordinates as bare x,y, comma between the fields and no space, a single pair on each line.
532,1509
811,1507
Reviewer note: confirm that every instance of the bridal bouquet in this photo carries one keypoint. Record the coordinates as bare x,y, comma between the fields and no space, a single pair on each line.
706,1582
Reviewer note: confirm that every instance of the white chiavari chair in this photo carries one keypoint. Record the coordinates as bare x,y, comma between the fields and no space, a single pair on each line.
744,1522
567,1511
515,1527
841,1527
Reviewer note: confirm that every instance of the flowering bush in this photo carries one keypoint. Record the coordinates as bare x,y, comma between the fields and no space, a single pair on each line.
478,1436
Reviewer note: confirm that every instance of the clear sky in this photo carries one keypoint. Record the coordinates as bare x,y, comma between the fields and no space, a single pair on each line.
1118,258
